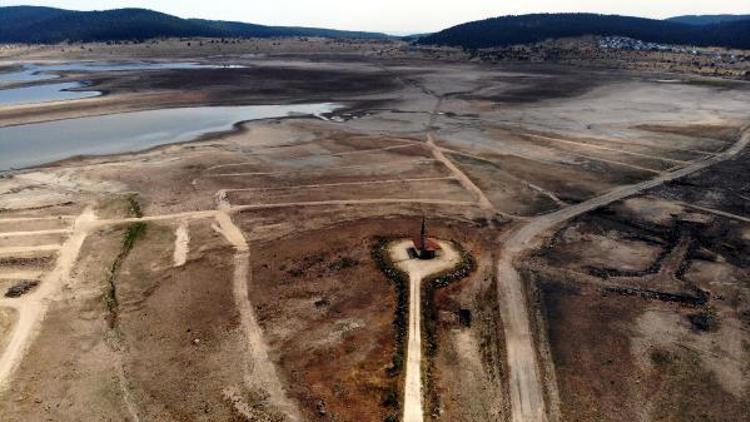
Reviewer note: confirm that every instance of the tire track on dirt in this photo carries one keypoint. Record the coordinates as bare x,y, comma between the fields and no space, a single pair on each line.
331,185
508,174
181,244
226,207
417,161
717,212
385,201
260,370
603,148
34,233
20,250
462,178
333,154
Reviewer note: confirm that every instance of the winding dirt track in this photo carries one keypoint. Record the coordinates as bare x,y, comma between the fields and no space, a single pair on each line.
526,392
260,371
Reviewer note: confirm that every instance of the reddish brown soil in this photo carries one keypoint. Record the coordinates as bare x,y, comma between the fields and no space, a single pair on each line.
164,310
310,286
589,337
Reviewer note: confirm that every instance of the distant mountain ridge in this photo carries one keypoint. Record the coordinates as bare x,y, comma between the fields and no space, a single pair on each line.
708,19
525,29
30,24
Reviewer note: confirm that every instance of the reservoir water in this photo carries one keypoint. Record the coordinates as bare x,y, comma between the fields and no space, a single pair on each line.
43,93
61,91
39,143
41,72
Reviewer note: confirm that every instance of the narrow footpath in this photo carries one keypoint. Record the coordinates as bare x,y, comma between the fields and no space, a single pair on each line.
418,270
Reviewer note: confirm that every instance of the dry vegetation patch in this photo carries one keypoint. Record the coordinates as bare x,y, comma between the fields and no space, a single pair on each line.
179,326
589,338
328,313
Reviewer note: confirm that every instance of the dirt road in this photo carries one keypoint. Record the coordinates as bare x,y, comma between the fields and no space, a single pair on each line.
462,178
527,394
418,270
181,244
18,250
33,308
261,372
34,233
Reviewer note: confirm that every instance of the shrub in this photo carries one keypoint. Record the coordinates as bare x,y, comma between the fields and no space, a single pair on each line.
401,281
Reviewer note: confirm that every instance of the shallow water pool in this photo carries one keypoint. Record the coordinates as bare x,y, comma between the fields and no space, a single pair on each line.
43,93
39,143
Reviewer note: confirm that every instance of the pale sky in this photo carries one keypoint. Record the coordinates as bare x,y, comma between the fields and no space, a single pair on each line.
394,16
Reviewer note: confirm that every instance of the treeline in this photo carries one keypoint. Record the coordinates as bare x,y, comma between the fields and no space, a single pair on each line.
526,29
26,24
708,19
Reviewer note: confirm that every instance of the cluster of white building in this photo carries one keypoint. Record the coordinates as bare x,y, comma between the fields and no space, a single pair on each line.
626,43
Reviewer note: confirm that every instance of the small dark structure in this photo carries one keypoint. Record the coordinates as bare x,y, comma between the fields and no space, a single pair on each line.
424,247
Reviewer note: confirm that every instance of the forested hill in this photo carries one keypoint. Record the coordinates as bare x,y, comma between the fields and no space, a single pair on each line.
524,29
26,24
708,19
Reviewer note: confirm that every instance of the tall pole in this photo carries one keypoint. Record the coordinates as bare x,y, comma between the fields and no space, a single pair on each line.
423,235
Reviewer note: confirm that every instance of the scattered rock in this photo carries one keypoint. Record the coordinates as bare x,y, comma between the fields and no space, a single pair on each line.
464,317
21,288
26,261
447,317
321,407
703,321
